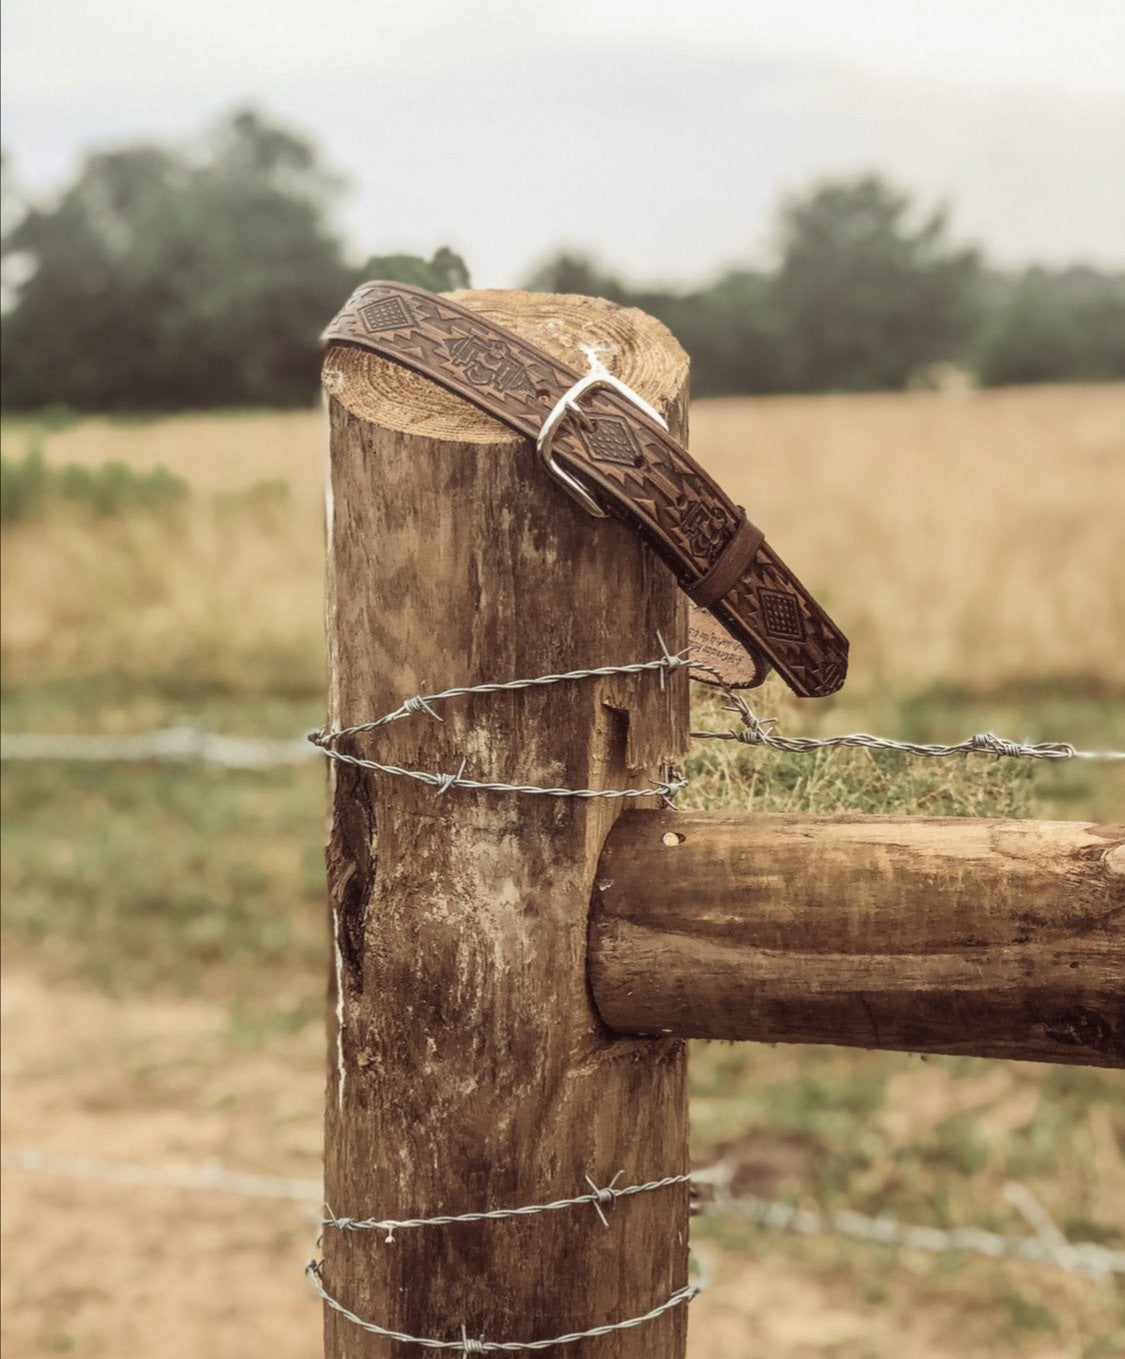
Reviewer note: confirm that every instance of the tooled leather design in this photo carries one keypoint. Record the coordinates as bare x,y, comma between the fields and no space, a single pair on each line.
636,469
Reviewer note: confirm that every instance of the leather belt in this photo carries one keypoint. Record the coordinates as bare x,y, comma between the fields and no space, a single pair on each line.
612,453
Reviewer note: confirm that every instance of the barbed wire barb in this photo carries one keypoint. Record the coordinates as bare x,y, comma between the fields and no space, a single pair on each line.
1048,1246
193,743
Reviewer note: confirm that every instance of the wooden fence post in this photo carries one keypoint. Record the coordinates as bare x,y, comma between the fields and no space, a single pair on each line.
467,1068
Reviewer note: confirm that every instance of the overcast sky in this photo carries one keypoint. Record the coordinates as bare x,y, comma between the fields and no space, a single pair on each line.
660,137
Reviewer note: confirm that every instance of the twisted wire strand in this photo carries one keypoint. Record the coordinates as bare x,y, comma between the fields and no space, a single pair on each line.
665,789
599,1198
758,731
468,1345
210,1177
1048,1246
190,743
755,731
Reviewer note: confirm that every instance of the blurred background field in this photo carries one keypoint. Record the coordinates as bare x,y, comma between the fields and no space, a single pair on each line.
164,945
890,238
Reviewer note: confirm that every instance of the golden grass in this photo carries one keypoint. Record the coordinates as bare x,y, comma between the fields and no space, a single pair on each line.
204,599
972,536
968,535
216,451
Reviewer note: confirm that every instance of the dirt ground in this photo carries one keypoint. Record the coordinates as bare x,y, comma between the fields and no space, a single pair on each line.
105,1269
108,1269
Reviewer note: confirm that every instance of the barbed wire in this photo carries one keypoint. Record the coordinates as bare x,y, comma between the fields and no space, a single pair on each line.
172,744
187,742
212,1177
666,788
1049,1246
757,731
469,1345
599,1198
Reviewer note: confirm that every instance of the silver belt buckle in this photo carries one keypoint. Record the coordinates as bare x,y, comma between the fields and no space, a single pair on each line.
567,404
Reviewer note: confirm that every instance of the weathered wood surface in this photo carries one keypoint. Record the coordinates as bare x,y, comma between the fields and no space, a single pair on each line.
468,1070
984,937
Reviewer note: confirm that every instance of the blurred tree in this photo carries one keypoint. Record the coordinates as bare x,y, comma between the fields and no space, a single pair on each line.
14,265
83,285
725,327
862,297
163,280
444,273
567,273
1067,326
730,332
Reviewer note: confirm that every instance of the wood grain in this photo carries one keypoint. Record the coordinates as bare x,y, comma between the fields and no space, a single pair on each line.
470,1071
983,937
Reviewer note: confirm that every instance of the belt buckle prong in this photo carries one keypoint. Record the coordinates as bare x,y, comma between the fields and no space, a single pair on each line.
567,404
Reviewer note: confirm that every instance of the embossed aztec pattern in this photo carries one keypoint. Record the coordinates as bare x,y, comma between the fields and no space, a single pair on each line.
609,439
780,615
385,313
640,473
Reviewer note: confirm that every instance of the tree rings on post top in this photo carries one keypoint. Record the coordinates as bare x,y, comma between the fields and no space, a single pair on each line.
632,345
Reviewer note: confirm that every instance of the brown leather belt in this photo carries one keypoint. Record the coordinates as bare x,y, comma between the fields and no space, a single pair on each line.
610,451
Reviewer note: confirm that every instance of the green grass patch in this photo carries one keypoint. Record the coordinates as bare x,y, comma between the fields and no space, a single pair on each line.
889,783
30,487
185,878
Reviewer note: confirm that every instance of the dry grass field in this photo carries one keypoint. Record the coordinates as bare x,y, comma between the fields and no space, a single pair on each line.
163,972
967,537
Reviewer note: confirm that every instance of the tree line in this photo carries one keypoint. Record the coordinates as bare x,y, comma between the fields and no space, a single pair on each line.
167,278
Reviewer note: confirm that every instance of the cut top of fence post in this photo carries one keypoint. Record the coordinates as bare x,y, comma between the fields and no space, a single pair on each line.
467,1069
580,331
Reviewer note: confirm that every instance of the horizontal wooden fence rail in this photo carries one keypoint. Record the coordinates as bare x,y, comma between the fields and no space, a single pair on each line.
981,937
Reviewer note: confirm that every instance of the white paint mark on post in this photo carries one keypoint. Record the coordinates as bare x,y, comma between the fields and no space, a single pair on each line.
341,1075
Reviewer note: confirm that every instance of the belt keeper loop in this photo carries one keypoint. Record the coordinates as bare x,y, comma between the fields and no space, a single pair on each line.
728,567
